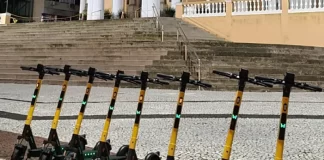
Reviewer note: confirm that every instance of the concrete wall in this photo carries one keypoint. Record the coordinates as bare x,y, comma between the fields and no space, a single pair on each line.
38,10
296,28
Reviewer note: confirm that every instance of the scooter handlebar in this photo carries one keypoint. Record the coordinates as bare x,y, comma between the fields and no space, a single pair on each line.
259,82
226,74
46,71
199,83
307,87
28,68
269,80
158,81
167,77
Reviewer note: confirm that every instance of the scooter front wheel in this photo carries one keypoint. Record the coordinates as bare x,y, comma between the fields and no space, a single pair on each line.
153,156
19,152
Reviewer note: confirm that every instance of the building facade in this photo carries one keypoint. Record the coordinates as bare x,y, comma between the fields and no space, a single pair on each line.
50,10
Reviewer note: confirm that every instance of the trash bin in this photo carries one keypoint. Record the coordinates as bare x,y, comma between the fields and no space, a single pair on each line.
5,18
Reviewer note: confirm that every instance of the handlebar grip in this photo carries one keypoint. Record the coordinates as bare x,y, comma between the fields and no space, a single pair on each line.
308,87
124,76
52,72
264,84
165,76
131,81
226,74
26,68
53,69
264,78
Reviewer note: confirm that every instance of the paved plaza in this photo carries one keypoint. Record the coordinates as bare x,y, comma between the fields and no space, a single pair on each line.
203,127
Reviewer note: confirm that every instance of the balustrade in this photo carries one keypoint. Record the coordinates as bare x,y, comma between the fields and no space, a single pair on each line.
256,7
204,9
306,6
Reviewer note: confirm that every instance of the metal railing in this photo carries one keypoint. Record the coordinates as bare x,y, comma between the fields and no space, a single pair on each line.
190,56
158,23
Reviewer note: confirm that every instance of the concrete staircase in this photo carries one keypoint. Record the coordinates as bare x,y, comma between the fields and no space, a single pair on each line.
112,45
134,45
260,59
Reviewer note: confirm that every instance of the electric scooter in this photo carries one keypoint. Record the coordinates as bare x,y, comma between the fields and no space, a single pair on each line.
242,79
184,80
288,82
27,137
78,142
52,147
102,148
131,154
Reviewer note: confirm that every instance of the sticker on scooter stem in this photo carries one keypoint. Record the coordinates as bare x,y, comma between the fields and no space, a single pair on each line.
285,107
282,129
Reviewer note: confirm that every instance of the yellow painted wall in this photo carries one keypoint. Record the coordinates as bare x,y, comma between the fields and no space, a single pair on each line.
108,5
286,28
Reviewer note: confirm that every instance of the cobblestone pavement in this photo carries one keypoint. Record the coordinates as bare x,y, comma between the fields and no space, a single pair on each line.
201,135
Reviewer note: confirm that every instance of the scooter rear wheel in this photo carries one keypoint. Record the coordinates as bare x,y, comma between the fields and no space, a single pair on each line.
123,150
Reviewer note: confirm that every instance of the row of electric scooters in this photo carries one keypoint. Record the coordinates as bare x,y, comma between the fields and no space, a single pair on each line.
76,148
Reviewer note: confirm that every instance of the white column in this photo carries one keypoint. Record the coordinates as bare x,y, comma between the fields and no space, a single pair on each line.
89,9
117,6
82,6
95,9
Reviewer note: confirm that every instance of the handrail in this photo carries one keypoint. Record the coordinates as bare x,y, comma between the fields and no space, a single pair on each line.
96,12
187,44
136,12
158,22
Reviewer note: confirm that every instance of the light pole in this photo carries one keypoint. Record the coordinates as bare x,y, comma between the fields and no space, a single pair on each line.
7,6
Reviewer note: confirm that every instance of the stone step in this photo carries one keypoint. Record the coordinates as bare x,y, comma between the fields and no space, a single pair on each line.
75,23
259,65
81,58
81,62
76,29
255,45
83,66
87,33
252,49
168,62
86,45
91,40
20,71
88,52
120,38
265,70
261,60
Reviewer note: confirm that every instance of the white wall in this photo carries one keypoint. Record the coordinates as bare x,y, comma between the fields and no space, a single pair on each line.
147,8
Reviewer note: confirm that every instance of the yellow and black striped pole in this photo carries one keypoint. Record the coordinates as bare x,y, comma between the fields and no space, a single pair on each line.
243,77
75,141
289,82
27,132
103,149
173,139
53,136
131,155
